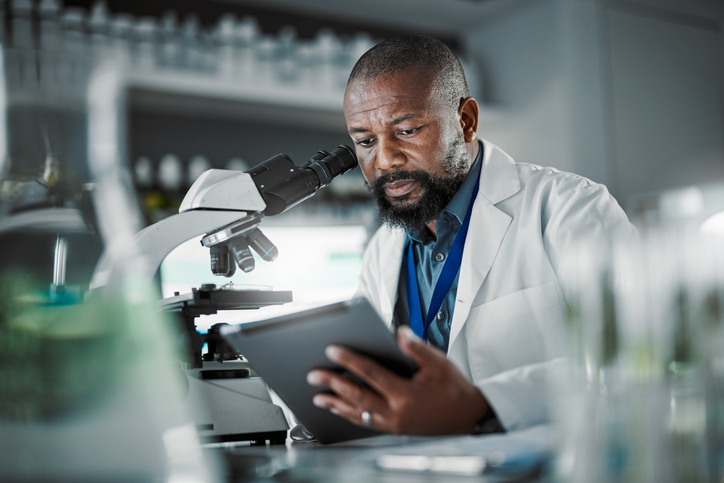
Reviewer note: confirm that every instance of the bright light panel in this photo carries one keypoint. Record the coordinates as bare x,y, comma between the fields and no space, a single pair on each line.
320,265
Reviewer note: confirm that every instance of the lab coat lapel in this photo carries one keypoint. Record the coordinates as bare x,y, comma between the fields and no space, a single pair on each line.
390,273
488,225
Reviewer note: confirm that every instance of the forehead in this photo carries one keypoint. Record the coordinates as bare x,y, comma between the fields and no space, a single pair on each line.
411,91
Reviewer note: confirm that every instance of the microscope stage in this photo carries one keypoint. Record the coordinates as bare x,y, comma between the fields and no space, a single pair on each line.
208,300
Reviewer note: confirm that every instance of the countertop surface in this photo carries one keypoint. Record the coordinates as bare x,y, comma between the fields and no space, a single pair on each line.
512,457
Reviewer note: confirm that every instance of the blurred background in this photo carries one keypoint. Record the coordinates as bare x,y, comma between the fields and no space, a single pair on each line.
625,92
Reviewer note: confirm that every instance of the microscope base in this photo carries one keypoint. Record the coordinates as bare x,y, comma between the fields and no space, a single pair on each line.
237,405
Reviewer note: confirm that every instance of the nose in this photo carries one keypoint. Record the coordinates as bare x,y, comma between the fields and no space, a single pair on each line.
389,155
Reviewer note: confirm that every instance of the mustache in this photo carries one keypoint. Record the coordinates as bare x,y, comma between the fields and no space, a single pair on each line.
377,187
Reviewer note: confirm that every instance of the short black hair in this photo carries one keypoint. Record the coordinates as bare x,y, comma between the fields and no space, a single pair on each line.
400,53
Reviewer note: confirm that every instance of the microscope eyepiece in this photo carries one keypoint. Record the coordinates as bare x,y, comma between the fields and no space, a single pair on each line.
282,184
327,166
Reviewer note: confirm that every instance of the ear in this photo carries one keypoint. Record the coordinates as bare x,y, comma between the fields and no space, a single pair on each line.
468,114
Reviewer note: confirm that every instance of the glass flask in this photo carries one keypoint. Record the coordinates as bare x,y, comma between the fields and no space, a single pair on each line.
642,399
90,386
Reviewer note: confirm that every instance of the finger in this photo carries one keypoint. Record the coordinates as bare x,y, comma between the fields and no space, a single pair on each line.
337,406
377,377
347,411
347,391
414,347
331,402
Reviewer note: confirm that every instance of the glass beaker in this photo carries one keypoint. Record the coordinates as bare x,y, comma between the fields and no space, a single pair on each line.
89,384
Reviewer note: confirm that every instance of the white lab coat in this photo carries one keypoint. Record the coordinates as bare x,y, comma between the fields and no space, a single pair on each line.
506,334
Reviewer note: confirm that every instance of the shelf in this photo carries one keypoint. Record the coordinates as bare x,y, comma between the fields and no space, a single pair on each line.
204,95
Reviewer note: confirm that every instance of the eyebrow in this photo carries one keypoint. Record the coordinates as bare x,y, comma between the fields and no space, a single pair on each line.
394,122
404,118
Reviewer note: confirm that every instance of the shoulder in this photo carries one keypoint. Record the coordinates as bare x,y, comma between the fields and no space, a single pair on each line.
554,180
571,205
532,190
562,191
503,178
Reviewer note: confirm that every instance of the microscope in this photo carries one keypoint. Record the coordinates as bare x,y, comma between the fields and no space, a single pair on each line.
226,207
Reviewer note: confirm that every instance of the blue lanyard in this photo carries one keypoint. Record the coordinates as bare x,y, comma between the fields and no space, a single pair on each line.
444,281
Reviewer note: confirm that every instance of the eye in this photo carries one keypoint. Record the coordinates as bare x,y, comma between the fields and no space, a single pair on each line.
364,142
407,132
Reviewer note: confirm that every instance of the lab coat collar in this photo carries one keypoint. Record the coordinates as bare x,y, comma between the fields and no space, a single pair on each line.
499,176
488,226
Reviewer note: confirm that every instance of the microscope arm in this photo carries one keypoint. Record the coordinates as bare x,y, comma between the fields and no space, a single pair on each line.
226,206
156,241
217,199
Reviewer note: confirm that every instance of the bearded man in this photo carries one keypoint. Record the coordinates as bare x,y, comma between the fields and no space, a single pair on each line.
466,268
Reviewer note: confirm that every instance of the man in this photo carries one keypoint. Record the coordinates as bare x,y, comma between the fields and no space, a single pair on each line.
491,311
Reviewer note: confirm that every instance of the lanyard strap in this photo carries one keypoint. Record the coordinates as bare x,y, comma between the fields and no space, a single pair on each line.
444,281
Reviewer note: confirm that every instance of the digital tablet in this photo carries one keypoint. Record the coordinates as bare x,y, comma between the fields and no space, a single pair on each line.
284,349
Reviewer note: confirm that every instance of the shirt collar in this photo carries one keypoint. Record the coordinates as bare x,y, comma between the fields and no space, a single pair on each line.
458,205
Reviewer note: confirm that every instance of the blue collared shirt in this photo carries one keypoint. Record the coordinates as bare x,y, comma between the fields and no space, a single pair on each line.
430,257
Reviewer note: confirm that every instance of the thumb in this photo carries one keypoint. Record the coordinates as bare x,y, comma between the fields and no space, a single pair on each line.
414,347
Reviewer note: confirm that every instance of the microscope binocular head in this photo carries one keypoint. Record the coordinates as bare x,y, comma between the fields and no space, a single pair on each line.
281,184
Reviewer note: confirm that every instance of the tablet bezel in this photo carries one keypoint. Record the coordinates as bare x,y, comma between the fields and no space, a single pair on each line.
284,349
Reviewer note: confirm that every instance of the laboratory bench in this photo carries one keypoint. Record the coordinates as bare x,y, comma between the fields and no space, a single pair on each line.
520,456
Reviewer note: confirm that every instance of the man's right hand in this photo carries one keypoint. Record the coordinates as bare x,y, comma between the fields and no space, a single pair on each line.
437,400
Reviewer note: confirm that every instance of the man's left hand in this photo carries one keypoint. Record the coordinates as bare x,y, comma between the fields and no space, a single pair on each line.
436,400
